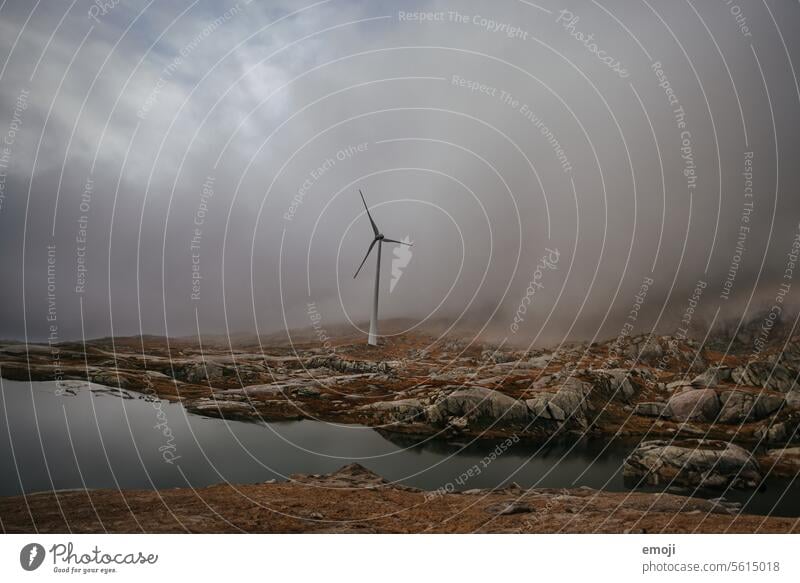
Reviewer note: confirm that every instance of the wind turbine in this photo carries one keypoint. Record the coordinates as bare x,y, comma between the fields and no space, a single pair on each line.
380,240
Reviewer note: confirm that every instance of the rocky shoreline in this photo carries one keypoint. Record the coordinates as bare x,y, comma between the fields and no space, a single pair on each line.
665,389
701,418
355,500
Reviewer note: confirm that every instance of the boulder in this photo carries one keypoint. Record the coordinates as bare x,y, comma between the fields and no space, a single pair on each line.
478,403
507,507
616,382
773,433
766,404
694,405
568,403
221,408
663,351
651,409
458,423
202,371
540,361
693,463
740,406
676,385
736,406
648,350
711,377
783,379
401,411
793,399
111,378
762,374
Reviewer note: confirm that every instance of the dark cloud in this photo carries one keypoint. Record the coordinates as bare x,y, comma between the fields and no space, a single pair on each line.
262,121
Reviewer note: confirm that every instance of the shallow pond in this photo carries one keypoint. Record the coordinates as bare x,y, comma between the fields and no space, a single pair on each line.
94,437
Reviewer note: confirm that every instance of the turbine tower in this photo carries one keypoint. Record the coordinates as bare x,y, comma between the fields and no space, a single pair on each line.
379,239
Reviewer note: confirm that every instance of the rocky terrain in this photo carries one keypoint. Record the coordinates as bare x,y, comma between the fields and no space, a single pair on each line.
656,388
720,415
354,500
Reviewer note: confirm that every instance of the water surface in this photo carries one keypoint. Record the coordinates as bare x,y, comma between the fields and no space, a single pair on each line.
91,437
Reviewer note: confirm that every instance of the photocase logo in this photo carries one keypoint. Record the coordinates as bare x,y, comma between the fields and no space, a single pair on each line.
31,556
402,257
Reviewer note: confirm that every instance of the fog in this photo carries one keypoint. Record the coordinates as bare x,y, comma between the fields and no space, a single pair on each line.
640,147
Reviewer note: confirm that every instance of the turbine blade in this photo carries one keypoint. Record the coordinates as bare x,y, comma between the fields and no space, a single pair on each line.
398,242
371,245
374,226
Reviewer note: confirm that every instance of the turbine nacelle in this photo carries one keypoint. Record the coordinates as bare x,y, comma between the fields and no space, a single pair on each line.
379,237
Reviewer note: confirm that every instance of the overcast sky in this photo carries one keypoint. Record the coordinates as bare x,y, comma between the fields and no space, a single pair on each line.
229,140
